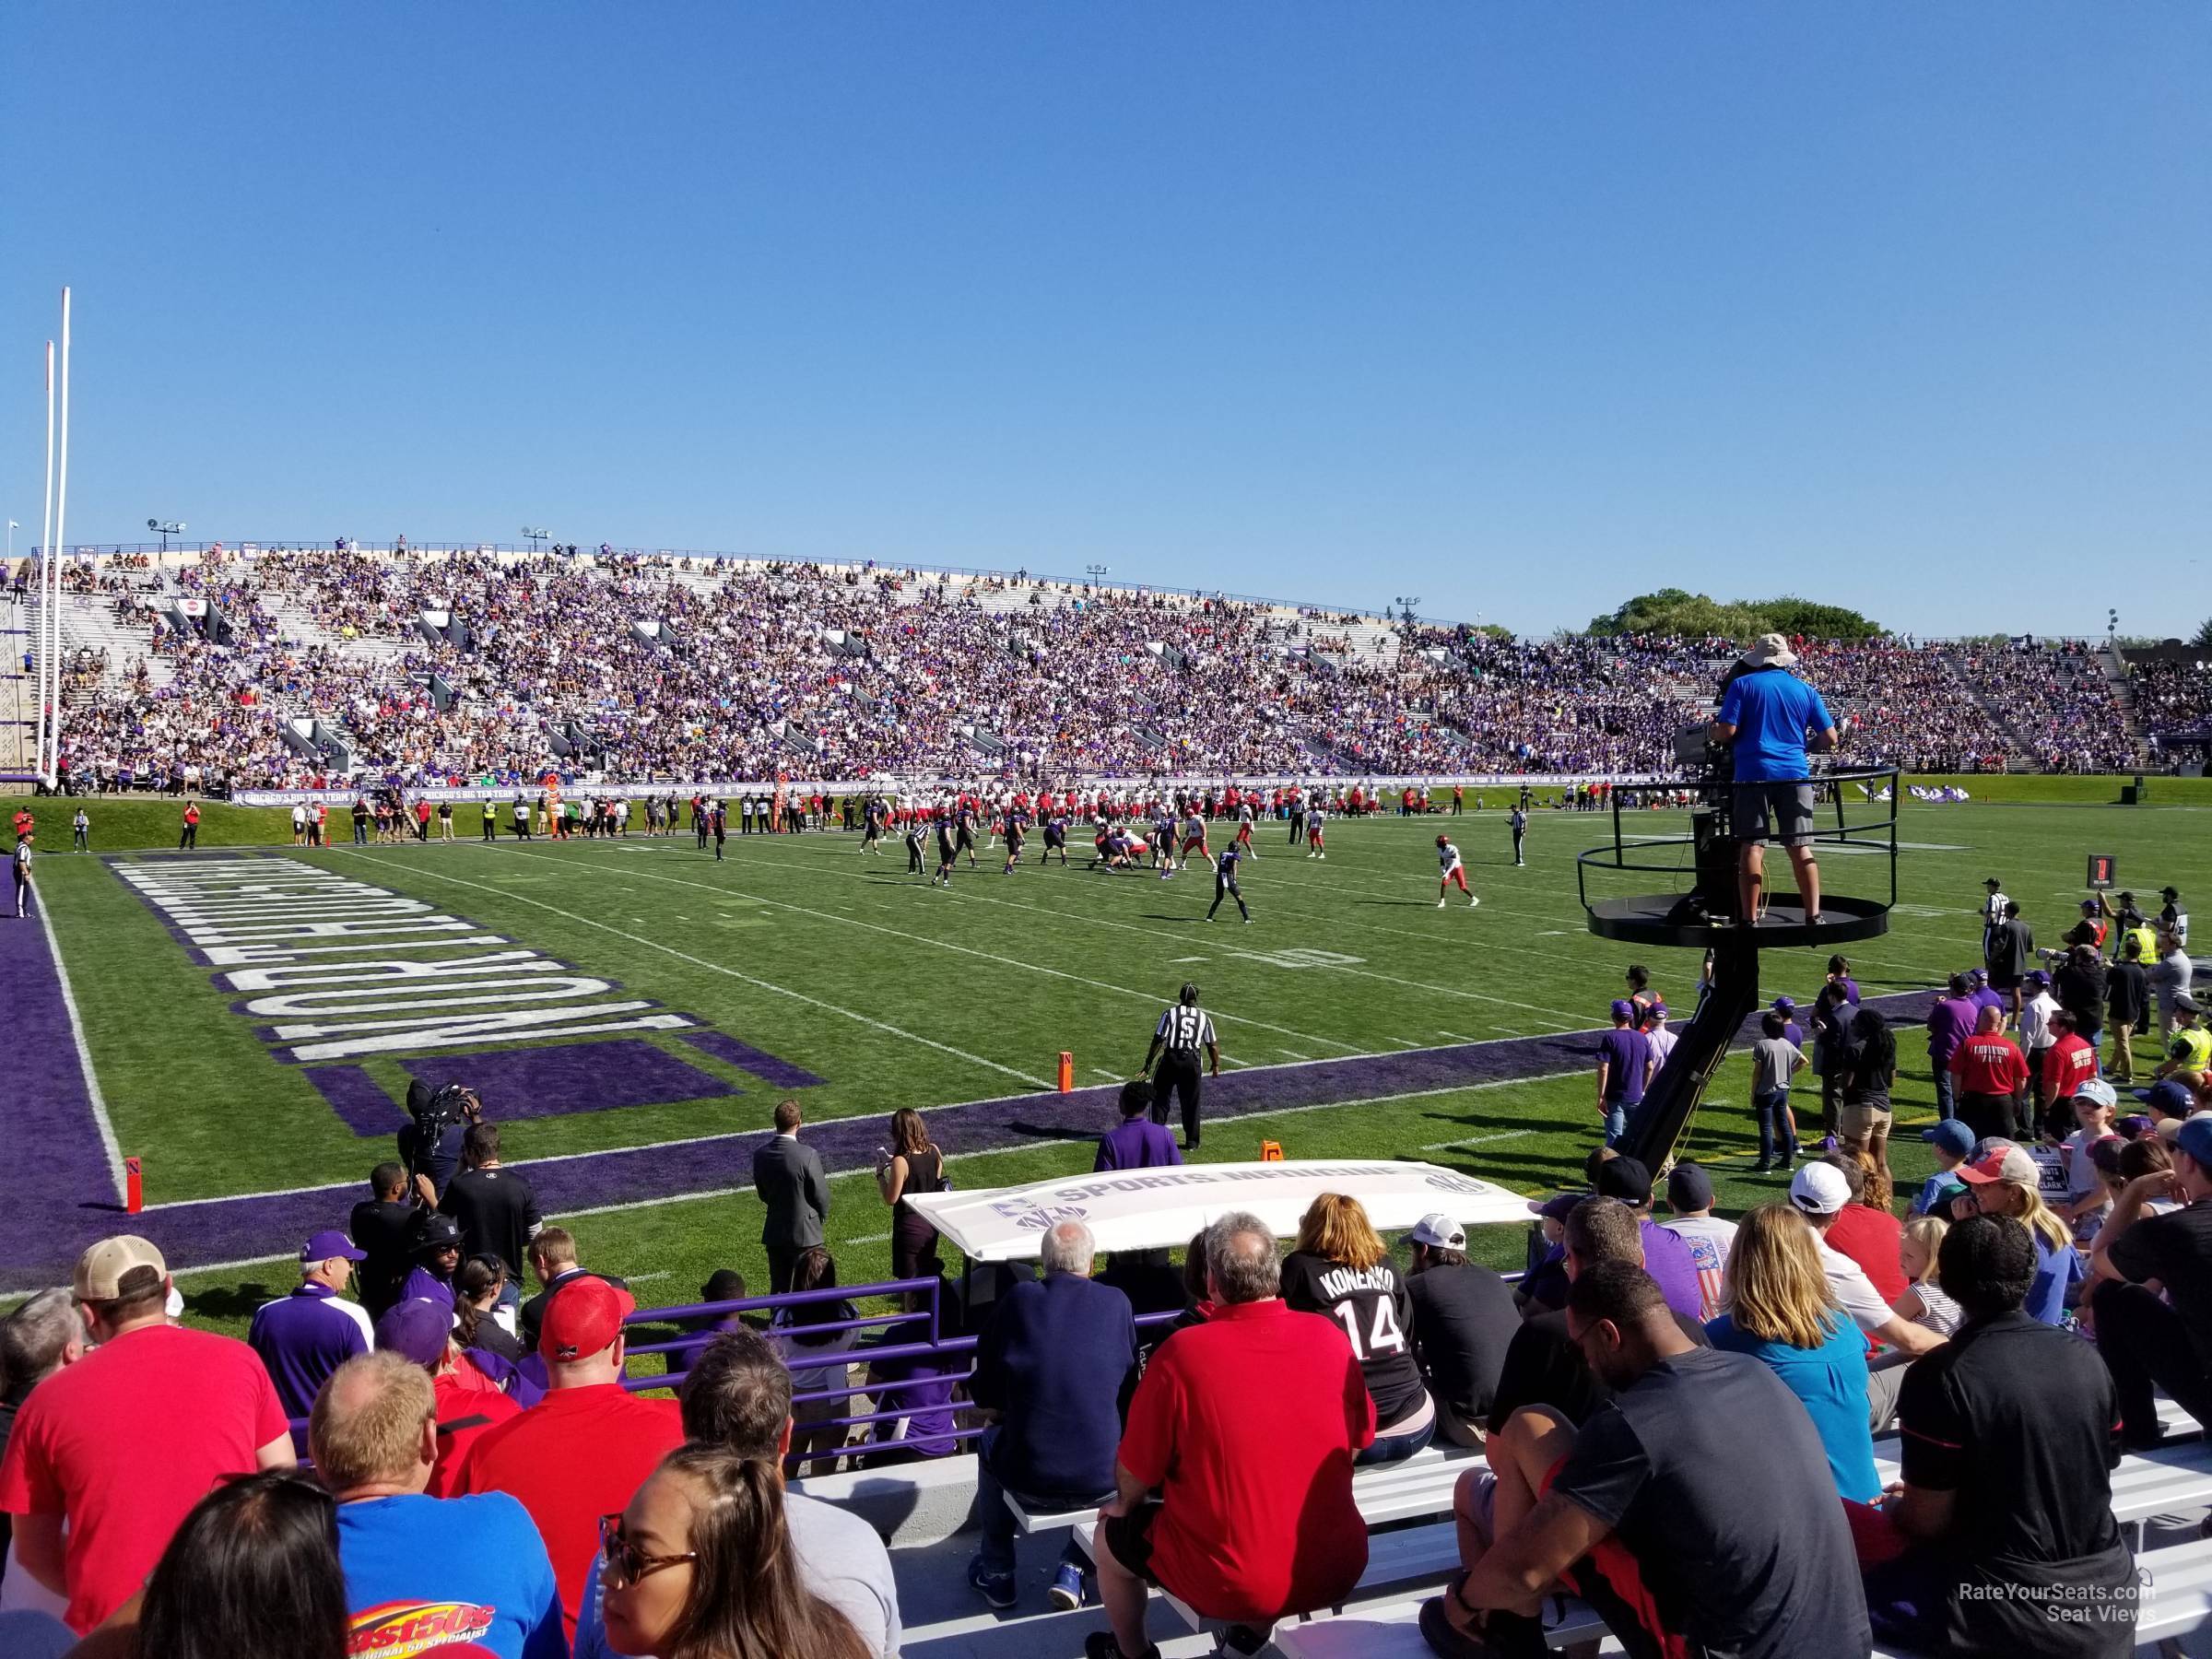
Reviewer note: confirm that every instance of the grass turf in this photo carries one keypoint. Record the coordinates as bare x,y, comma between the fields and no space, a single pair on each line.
899,995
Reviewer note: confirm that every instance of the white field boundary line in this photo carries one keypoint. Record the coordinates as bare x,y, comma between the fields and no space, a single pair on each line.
702,1140
1546,1016
717,1194
817,1001
625,872
109,1144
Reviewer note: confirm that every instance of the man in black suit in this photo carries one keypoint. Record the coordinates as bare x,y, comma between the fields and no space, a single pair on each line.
790,1180
553,1259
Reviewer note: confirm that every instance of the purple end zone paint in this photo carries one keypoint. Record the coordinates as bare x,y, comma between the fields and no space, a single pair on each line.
781,1074
40,1239
55,1155
561,1078
358,1099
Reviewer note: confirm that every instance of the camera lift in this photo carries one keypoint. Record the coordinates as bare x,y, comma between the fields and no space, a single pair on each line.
1705,917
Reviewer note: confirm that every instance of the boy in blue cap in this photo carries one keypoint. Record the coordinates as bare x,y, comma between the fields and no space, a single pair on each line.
1951,1141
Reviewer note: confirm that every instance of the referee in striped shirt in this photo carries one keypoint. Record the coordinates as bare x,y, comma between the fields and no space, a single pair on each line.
1182,1031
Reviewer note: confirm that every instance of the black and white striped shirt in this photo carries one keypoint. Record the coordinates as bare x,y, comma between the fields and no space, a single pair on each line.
1185,1029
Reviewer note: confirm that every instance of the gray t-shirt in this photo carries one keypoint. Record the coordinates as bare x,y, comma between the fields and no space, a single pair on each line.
1772,1060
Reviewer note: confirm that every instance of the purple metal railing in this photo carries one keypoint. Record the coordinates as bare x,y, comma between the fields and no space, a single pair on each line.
938,1345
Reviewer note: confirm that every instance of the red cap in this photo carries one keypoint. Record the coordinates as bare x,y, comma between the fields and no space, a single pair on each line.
584,1319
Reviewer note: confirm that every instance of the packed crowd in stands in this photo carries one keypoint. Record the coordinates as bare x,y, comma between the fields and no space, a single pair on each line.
1675,1418
2173,696
751,670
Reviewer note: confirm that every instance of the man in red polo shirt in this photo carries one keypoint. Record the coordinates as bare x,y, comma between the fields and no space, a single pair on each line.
1246,1426
2067,1064
583,1450
108,1456
1988,1073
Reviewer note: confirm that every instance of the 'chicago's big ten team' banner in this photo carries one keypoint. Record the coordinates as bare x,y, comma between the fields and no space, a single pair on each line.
1149,1210
725,788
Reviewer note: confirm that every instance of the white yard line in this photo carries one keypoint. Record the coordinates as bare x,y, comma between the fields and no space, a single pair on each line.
988,956
857,1017
84,1053
1479,1140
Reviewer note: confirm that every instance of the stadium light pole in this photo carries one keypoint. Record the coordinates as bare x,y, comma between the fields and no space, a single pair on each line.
536,537
1407,604
1095,571
166,528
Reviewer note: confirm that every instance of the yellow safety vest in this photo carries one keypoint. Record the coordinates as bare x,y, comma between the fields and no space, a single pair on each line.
2192,1045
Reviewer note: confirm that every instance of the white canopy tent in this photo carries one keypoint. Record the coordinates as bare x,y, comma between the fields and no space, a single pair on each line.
1152,1209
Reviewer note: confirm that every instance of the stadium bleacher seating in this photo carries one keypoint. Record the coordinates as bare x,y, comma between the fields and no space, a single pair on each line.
453,666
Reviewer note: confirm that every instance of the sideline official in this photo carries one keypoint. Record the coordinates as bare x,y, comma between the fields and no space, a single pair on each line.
1183,1031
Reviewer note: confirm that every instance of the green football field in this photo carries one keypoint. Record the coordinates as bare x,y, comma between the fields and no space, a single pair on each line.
798,966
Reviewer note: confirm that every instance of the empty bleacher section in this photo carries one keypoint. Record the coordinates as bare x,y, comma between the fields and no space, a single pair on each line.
450,666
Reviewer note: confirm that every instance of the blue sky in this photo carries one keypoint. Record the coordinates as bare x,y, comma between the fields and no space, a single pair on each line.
1518,308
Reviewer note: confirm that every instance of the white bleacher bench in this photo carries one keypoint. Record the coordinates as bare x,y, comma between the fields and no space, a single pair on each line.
1415,1488
1392,1630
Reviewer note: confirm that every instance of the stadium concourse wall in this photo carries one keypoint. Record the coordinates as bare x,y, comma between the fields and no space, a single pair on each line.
123,823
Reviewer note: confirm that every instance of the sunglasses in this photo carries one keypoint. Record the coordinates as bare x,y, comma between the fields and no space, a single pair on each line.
626,1562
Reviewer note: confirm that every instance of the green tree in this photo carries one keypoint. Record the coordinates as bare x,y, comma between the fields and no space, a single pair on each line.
2204,635
1676,611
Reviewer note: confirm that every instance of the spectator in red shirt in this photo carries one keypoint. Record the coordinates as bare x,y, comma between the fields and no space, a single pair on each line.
2067,1064
1865,1229
108,1456
1246,1425
470,1403
1989,1071
583,1450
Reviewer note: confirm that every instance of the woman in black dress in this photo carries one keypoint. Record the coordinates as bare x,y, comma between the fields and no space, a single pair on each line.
912,1165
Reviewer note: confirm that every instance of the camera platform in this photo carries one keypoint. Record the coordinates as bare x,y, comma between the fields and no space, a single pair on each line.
1664,919
1700,913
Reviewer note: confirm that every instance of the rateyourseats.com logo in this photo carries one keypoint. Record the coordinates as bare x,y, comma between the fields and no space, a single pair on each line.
2121,1603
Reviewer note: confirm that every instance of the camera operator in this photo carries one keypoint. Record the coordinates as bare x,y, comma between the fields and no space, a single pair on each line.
429,1142
1766,713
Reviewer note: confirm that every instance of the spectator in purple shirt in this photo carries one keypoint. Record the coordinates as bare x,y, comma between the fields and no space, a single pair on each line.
303,1338
1950,1023
1667,1256
1624,1067
1138,1144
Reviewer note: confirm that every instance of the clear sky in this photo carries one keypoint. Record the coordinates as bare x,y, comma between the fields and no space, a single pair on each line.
1520,308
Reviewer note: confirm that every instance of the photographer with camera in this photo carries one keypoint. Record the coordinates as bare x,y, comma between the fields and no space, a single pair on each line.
1766,714
429,1142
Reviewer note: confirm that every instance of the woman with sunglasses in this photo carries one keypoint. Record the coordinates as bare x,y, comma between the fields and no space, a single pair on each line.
700,1566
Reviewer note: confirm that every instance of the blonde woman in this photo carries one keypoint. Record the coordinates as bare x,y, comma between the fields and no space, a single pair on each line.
1924,1302
1776,1307
1342,1269
2006,1182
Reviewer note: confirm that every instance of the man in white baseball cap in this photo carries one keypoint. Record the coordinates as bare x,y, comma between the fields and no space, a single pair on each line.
1819,1193
1464,1319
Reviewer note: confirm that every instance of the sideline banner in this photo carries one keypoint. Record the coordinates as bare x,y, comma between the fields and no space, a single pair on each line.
724,788
1151,1209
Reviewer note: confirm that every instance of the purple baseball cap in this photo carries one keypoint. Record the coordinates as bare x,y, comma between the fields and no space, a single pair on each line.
1623,1008
1785,1004
330,1243
418,1329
